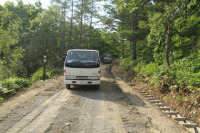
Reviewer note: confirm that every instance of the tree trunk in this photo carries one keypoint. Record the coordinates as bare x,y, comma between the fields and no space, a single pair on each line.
81,25
123,37
123,48
134,25
134,51
64,31
167,40
90,43
167,44
70,35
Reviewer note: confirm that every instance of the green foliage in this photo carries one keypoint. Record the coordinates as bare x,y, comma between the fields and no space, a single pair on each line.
182,73
14,27
56,71
110,44
38,75
24,28
10,57
156,24
151,72
143,25
188,70
1,99
127,64
13,85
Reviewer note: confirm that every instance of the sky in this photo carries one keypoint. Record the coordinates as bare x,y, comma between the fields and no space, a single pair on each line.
45,3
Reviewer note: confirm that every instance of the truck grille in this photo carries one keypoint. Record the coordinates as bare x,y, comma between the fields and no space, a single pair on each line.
82,77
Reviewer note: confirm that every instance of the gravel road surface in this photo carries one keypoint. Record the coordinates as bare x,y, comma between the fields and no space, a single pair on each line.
48,107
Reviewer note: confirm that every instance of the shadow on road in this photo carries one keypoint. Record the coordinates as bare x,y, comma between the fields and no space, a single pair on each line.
109,91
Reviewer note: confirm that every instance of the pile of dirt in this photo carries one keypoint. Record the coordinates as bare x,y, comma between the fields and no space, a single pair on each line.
188,105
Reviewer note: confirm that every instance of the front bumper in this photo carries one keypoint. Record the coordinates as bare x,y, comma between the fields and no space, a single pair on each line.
82,82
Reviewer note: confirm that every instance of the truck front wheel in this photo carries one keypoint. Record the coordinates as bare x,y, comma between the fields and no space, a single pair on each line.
68,86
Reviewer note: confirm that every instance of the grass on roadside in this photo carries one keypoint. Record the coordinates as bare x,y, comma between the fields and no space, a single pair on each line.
13,85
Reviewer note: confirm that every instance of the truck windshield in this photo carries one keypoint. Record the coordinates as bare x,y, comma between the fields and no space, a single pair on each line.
82,59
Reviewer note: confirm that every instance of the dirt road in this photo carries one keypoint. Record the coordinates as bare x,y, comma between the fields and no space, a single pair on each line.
115,108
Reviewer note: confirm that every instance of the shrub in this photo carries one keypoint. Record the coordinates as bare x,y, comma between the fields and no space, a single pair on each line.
182,73
4,91
1,99
13,85
55,71
126,64
38,75
188,70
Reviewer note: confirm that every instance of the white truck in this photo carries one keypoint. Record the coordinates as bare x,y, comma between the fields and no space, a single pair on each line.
82,67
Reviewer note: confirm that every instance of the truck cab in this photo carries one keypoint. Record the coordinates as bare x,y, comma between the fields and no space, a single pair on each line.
82,67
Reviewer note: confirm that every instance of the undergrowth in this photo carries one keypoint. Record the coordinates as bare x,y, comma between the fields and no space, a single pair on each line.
14,84
177,86
1,99
38,75
183,74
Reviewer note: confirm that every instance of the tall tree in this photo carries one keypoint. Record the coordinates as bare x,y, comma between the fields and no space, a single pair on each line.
62,6
163,20
132,12
81,23
71,27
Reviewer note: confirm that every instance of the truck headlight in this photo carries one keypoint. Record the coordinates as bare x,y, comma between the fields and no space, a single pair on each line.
69,77
95,77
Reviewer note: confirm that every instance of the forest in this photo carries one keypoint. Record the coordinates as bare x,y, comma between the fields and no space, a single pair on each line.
158,41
